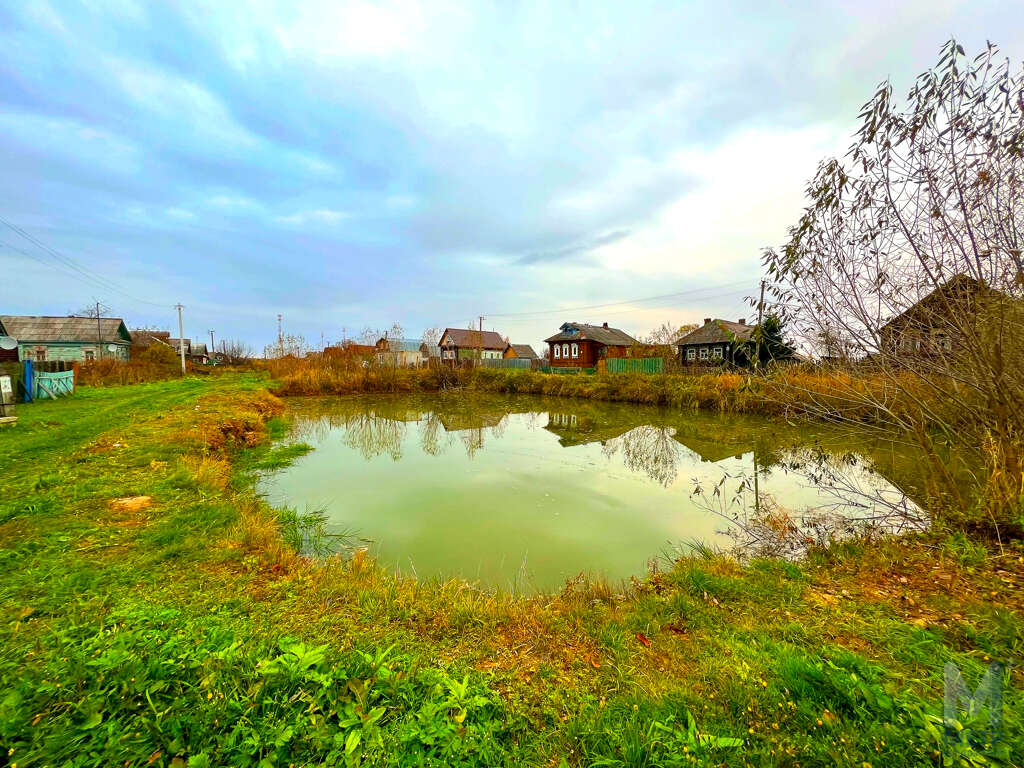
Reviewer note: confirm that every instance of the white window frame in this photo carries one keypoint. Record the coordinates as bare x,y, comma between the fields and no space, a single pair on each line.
565,351
691,354
89,355
716,353
558,349
703,353
575,350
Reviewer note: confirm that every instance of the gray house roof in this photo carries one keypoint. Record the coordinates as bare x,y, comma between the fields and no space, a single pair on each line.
717,332
602,334
39,329
524,351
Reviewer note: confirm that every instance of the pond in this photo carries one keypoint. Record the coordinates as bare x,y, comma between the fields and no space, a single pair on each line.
524,492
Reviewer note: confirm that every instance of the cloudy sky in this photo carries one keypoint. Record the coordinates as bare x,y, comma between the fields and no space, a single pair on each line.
351,164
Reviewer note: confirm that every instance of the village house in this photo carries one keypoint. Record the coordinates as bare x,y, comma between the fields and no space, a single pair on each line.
196,352
71,339
431,352
400,353
578,345
933,325
467,344
717,341
520,351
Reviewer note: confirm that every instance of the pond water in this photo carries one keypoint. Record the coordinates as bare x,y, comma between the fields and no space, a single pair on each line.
525,492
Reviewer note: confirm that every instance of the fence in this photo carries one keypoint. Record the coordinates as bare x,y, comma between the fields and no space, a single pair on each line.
508,363
53,385
635,365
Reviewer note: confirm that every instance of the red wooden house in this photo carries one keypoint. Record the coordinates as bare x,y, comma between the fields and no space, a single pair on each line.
578,345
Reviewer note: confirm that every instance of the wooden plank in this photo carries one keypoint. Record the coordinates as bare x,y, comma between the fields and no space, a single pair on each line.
8,420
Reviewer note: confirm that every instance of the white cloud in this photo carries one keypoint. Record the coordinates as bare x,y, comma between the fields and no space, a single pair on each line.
318,216
749,189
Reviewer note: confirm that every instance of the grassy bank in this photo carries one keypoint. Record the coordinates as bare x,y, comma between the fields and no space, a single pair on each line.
189,632
785,390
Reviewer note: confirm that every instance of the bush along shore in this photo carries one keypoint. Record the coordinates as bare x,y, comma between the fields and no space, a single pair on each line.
157,612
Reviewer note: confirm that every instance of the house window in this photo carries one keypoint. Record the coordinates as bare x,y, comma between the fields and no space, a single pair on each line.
89,355
703,353
557,352
41,354
575,350
565,351
716,353
943,342
691,354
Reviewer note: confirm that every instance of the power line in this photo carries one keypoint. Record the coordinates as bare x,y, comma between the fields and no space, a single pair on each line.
96,280
681,294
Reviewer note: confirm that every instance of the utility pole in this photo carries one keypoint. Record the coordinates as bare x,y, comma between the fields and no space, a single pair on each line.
280,338
480,344
99,334
213,348
181,339
759,332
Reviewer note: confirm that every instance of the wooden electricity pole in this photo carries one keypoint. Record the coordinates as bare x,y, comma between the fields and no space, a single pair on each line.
181,339
759,331
480,344
99,334
213,348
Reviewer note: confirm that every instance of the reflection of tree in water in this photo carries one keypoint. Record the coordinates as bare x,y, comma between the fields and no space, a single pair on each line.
432,435
648,449
856,501
475,438
382,430
373,436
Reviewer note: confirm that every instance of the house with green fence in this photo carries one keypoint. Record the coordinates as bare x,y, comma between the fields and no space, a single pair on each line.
43,338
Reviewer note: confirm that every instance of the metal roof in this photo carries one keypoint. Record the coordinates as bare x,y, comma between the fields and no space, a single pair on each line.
35,329
602,334
402,345
717,332
469,339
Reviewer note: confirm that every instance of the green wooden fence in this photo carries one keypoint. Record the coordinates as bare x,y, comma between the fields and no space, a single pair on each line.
635,365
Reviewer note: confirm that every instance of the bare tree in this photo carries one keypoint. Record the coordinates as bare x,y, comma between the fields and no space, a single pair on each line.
432,335
234,352
667,333
94,310
294,345
909,255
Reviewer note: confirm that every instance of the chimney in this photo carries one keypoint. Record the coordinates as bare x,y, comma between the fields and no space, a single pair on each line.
743,321
707,320
604,325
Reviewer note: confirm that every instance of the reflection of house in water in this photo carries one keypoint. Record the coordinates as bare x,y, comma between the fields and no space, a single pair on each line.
715,447
579,428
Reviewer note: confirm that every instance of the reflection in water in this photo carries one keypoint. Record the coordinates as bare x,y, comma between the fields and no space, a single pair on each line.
478,486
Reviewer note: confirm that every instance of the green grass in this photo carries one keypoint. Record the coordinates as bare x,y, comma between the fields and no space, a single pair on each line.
190,633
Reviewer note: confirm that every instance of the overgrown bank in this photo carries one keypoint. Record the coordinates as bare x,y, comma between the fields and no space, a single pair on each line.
190,632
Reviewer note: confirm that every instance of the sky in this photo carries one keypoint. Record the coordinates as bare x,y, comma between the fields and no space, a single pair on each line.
354,164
